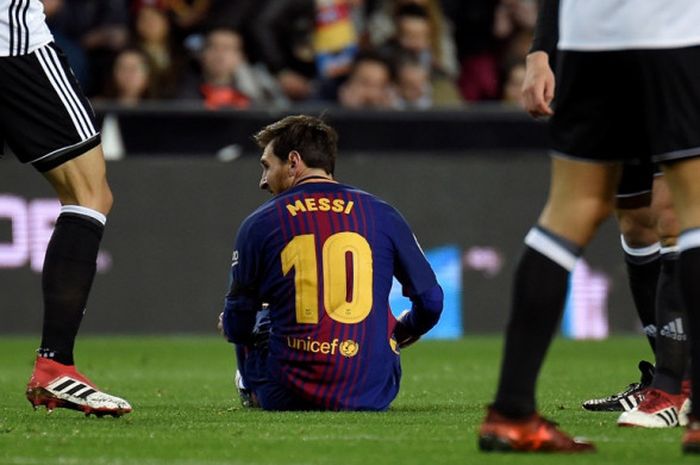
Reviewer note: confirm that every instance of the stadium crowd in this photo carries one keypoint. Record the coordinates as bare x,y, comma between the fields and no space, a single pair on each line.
387,54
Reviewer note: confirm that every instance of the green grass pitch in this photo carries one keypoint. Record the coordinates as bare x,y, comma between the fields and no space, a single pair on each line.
186,412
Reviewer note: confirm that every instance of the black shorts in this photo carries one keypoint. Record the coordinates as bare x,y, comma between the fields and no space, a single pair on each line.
44,117
635,186
628,105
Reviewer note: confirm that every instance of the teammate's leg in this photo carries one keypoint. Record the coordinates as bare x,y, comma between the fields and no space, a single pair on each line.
641,247
69,269
580,198
71,255
672,352
662,404
682,179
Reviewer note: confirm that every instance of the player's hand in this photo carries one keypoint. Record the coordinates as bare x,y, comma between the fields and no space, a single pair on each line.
403,336
538,85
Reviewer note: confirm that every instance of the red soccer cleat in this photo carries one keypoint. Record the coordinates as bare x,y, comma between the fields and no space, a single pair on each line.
530,434
61,386
659,409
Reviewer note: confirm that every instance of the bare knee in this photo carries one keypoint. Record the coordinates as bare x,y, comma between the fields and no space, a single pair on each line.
668,227
578,219
100,199
638,226
83,181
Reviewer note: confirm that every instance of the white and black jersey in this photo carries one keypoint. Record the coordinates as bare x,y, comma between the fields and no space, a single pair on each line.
23,27
597,25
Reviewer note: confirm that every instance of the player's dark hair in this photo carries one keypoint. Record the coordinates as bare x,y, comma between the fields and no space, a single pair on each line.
316,142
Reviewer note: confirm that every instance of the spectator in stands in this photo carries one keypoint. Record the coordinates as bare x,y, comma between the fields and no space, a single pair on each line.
130,81
308,44
413,38
189,16
413,88
240,15
382,27
489,33
514,25
153,34
226,78
90,32
369,84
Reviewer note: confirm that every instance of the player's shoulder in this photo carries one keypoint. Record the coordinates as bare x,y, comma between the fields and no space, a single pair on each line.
258,217
364,195
386,214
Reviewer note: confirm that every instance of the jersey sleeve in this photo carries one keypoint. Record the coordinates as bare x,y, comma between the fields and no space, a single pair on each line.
243,299
547,28
411,267
417,278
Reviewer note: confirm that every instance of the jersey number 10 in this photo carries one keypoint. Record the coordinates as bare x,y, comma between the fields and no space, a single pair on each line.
343,303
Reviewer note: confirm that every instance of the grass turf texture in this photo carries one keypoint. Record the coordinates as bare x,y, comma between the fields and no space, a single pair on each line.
186,412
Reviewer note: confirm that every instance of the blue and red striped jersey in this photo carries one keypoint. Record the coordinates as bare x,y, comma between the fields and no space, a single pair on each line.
323,255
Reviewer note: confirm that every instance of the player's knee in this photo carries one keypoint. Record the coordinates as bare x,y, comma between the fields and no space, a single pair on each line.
592,211
98,198
637,226
668,227
106,199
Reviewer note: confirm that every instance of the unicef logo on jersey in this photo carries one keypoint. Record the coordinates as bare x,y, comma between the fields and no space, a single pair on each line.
349,348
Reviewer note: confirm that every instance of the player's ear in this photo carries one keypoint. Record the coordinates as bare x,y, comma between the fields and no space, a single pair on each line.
294,158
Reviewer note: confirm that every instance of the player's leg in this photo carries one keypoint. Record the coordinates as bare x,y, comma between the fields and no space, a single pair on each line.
672,347
640,242
71,255
637,221
48,123
662,405
580,198
68,273
256,388
682,178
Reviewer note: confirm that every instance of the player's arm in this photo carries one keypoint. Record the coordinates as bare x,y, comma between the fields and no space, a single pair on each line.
419,284
242,301
539,82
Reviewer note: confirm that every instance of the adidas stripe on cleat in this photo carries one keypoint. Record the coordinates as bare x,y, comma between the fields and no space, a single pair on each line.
659,409
54,385
627,399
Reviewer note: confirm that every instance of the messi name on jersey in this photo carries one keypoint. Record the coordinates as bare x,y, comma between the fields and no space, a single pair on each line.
321,204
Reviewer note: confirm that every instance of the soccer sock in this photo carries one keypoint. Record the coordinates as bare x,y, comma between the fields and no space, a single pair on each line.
672,336
539,291
241,352
69,269
643,264
689,245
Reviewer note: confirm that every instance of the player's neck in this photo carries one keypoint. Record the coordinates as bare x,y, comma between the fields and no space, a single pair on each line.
314,176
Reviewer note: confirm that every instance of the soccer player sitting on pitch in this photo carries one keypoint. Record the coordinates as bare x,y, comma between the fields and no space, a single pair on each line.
322,256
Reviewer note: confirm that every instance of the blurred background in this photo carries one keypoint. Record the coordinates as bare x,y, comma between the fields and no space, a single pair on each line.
424,95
